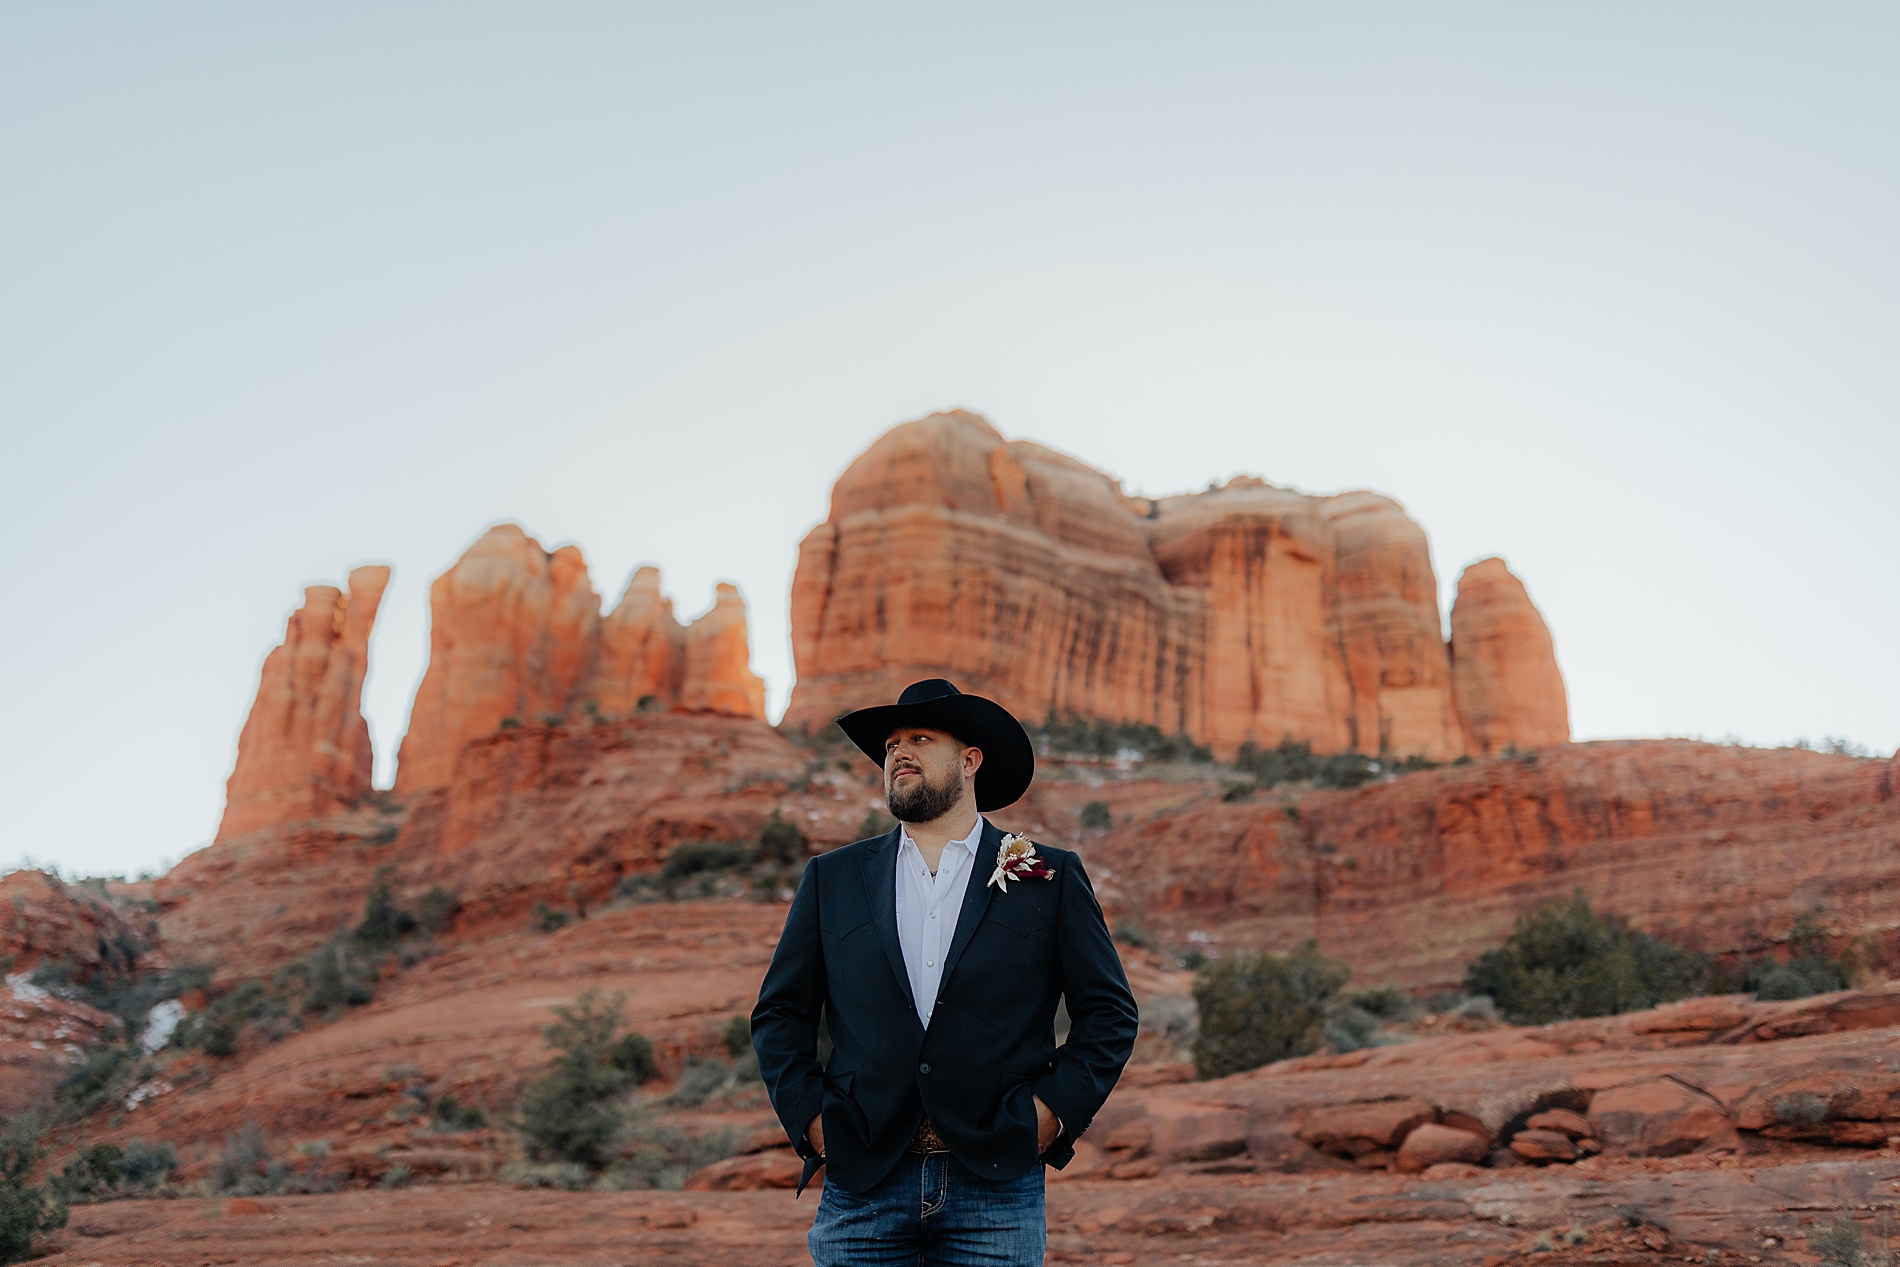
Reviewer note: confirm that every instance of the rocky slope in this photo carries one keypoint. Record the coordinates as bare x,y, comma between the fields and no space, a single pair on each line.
1247,613
1720,848
304,751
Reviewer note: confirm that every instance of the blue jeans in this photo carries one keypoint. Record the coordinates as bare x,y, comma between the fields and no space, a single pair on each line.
932,1211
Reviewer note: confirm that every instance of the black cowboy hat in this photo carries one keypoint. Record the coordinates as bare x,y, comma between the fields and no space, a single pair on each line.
1009,759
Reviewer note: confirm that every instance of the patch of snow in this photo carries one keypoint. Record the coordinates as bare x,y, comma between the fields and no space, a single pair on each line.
160,1023
24,990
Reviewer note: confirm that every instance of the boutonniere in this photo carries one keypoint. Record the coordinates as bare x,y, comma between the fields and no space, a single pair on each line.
1017,860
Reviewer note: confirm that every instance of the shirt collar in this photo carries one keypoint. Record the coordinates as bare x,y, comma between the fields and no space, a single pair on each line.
969,842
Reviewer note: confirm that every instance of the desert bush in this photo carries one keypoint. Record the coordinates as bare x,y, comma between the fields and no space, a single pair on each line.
397,1176
384,921
1348,1028
781,841
25,1211
1842,1244
1386,1002
1810,970
1564,961
102,1074
104,1171
1096,816
548,919
1079,737
876,823
572,1113
564,1176
1256,1009
247,1168
660,1155
736,1037
1295,762
435,908
450,1114
333,978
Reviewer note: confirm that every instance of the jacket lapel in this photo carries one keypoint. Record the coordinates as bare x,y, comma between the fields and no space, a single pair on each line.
976,899
880,886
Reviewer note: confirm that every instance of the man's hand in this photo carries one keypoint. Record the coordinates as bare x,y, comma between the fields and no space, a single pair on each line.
1047,1127
816,1134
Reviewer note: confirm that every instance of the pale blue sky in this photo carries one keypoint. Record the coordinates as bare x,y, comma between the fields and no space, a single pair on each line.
1610,290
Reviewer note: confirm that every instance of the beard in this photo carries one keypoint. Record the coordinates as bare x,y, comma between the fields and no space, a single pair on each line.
922,801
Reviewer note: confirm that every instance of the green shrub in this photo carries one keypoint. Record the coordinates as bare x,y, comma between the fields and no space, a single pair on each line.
384,923
572,1112
25,1212
548,919
435,909
736,1037
246,1166
1255,1009
334,979
1080,737
1842,1244
1387,1002
451,1114
103,1171
1294,762
104,1073
781,841
660,1155
1096,816
1564,961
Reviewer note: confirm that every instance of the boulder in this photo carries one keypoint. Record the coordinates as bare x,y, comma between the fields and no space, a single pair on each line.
1568,1121
1430,1144
1352,1130
775,1168
1543,1146
1657,1117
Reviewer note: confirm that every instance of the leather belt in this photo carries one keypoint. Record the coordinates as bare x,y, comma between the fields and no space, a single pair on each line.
926,1140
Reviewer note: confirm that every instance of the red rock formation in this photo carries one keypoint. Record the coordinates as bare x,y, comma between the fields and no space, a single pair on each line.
304,751
1503,666
718,675
1247,613
516,638
641,659
1721,848
513,631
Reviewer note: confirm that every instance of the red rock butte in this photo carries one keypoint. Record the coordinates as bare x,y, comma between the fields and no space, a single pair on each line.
1244,614
305,750
516,636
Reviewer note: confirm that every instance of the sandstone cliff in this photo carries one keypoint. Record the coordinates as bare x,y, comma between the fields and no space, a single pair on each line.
517,638
1503,667
304,751
1247,613
1720,848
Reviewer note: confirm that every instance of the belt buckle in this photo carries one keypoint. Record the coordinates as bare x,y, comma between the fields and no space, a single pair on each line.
926,1140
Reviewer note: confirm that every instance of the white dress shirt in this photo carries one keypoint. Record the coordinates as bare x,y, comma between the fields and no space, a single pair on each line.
927,910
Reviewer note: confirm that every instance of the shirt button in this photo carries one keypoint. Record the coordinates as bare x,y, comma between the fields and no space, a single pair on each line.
933,915
930,963
923,1068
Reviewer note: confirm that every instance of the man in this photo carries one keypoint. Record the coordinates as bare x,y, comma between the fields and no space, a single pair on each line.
937,967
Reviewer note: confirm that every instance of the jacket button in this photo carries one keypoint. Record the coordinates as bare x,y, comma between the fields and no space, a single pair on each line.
923,1068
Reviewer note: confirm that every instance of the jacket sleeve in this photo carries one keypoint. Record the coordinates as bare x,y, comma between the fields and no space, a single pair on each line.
1102,1014
785,1020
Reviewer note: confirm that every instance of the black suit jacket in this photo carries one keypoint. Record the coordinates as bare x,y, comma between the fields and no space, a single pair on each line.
991,1043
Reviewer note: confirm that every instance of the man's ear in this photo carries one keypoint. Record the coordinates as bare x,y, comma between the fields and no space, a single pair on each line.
971,767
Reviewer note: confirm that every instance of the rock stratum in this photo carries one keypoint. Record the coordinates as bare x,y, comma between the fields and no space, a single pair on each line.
1245,614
